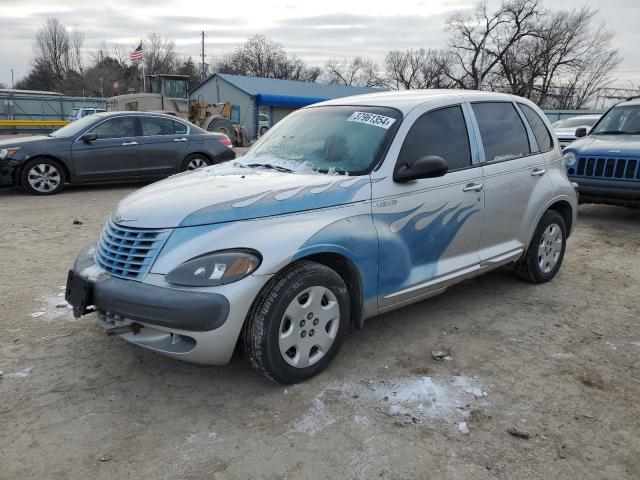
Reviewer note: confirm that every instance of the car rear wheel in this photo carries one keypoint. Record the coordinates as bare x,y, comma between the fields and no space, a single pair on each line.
195,161
546,250
297,324
42,176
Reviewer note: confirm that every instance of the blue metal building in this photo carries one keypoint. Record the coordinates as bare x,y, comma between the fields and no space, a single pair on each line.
256,100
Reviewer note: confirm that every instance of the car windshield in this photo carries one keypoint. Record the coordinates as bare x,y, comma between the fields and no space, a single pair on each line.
619,121
576,122
331,139
74,128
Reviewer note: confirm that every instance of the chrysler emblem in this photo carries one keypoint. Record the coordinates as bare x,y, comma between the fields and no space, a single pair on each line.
120,219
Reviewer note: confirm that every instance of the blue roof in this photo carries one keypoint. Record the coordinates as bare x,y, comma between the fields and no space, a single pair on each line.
289,93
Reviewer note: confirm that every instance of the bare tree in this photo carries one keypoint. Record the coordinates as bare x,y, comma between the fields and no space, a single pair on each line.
159,54
263,57
481,40
563,64
51,49
76,40
418,69
358,72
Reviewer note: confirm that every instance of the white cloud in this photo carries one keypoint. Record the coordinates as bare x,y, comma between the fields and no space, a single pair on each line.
315,31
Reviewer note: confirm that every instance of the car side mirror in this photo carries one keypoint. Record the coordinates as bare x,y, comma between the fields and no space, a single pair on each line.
89,137
581,132
430,166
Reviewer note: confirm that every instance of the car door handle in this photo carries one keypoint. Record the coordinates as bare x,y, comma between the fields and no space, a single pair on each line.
179,139
473,187
538,172
127,144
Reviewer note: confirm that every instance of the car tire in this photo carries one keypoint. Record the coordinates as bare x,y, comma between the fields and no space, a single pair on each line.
283,316
263,130
195,161
43,176
544,256
222,125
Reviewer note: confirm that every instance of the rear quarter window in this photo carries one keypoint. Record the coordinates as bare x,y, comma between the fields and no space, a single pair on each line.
504,136
543,137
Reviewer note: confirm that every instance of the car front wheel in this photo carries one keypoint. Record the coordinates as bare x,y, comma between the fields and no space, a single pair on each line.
297,324
42,176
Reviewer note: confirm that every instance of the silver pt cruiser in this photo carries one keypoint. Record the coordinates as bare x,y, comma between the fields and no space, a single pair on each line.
343,210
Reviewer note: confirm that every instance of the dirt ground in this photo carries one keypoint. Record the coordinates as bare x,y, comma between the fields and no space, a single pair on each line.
560,361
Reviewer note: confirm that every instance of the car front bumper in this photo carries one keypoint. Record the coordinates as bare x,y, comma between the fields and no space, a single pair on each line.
195,326
7,174
612,192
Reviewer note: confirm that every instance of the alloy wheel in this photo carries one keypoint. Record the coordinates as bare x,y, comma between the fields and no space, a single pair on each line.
44,177
196,163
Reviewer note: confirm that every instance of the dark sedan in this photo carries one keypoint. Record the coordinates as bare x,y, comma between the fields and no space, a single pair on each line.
107,147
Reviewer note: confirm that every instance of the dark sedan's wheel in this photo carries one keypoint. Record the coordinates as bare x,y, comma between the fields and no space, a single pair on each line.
297,323
263,130
42,176
195,161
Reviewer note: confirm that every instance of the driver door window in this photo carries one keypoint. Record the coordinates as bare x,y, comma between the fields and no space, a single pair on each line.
442,133
120,127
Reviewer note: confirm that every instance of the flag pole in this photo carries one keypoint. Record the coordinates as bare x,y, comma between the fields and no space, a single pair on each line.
144,80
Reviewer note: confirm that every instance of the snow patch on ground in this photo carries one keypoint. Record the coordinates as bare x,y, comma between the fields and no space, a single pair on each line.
53,307
416,400
316,419
562,355
24,373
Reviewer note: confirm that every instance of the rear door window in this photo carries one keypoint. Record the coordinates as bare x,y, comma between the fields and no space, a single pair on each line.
504,136
543,137
442,133
152,126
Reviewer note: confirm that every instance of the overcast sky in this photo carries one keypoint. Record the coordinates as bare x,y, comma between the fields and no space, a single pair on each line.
312,30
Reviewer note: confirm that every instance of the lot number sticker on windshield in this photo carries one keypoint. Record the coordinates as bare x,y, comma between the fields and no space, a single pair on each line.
371,119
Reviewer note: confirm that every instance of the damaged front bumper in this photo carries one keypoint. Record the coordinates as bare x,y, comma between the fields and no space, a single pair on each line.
195,326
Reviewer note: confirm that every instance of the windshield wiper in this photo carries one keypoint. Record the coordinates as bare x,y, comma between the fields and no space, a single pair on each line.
612,132
269,166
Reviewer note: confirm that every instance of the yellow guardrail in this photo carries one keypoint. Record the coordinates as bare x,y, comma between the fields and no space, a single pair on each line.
33,123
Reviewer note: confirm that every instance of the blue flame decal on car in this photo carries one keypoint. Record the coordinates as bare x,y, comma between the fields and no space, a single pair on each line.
278,202
402,249
413,242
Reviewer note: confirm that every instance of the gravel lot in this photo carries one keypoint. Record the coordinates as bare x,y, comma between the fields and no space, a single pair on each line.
560,361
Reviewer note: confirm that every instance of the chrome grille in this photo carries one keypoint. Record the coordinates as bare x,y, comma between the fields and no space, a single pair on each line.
127,252
612,168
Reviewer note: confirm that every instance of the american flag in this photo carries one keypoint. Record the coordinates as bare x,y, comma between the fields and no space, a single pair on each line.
137,53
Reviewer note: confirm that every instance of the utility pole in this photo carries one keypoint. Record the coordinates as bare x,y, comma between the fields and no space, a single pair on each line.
12,87
204,67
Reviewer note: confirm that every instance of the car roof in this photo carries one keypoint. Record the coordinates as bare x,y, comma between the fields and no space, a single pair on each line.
406,100
135,112
635,101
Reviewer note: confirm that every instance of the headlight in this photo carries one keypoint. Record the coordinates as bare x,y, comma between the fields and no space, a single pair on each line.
569,159
8,152
218,268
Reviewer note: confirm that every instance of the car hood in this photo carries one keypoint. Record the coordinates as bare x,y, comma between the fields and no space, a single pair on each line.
607,145
565,132
228,192
26,141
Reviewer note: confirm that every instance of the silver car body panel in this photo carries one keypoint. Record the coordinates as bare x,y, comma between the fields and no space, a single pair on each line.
408,241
